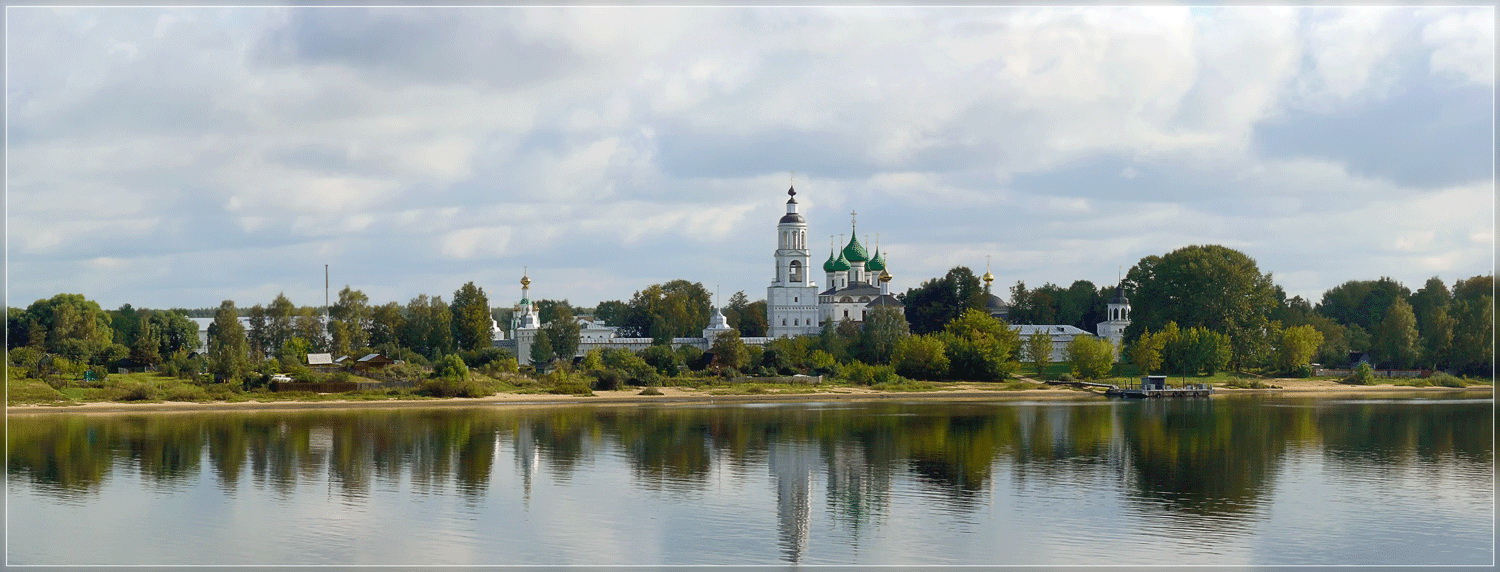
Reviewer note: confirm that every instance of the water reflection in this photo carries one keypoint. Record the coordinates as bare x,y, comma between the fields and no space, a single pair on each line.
1208,463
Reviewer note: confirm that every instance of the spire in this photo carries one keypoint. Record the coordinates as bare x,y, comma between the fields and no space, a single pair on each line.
854,251
988,278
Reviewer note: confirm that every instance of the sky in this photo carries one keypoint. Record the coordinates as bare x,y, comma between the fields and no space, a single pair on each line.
178,157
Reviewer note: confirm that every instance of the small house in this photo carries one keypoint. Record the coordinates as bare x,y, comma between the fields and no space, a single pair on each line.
372,361
321,362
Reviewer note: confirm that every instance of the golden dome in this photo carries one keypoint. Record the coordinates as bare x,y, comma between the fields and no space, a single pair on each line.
885,276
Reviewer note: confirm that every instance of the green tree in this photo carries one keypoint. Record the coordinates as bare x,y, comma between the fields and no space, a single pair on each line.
1090,357
1437,339
1299,344
1146,352
1213,287
1361,302
548,310
1473,312
450,367
146,347
1195,350
1335,347
258,335
228,351
612,312
1038,350
279,320
666,361
936,302
541,351
73,326
386,322
353,314
882,329
730,352
1395,337
562,334
921,357
675,309
746,316
980,347
471,318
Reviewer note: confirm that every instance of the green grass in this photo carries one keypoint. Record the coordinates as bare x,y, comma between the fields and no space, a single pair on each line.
34,391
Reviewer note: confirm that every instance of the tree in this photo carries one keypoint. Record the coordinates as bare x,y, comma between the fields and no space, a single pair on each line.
882,329
228,351
1196,350
675,309
548,310
279,317
1395,337
1213,287
730,352
1361,302
71,325
921,357
746,316
472,329
1091,357
542,353
980,347
1437,338
352,312
1299,344
309,326
936,302
1335,347
612,312
1433,296
450,367
1473,312
666,361
386,323
146,347
257,335
562,333
1146,352
1038,350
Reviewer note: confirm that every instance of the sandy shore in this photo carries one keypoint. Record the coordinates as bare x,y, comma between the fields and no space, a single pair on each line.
673,395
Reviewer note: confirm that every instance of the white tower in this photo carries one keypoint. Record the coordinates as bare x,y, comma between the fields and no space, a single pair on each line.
792,298
1118,318
526,323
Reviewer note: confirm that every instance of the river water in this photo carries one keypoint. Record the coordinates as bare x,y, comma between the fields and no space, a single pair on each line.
1231,480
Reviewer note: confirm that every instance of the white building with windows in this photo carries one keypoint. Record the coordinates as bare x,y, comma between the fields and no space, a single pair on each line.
792,297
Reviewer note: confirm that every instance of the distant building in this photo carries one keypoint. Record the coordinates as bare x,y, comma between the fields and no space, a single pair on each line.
1061,335
1118,313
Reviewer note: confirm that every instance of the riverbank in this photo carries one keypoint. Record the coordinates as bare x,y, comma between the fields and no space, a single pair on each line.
679,395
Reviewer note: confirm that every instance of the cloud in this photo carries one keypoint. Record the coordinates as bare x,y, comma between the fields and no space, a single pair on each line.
233,151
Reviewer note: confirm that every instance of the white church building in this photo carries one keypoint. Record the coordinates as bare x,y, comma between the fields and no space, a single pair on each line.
796,305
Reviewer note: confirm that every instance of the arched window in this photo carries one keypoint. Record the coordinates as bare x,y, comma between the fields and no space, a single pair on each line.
795,272
795,323
846,313
783,321
864,298
846,299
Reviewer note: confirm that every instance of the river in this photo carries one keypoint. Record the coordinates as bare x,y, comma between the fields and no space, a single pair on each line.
1230,480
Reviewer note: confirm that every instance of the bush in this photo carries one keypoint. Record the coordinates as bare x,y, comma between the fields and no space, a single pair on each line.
1364,375
863,374
339,377
1066,377
221,391
450,366
185,392
1446,380
1244,383
606,379
571,388
482,357
651,391
453,387
137,391
1304,370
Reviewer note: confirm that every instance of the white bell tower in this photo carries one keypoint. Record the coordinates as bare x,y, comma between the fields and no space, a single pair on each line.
792,298
1117,319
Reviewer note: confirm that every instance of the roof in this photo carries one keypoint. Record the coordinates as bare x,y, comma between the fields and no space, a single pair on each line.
373,357
854,251
876,263
792,217
885,300
994,302
857,289
1054,329
319,359
1120,295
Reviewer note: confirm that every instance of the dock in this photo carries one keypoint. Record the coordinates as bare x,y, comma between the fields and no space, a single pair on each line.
1154,386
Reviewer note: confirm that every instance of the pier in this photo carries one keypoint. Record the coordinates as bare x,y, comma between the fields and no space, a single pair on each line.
1153,386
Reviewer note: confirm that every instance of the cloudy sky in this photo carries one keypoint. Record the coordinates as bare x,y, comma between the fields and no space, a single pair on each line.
178,157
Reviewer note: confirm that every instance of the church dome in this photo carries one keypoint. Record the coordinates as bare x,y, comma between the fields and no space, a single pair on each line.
876,263
855,252
836,264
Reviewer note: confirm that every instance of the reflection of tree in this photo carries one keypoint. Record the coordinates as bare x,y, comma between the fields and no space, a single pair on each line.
1204,457
666,449
66,456
1388,434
